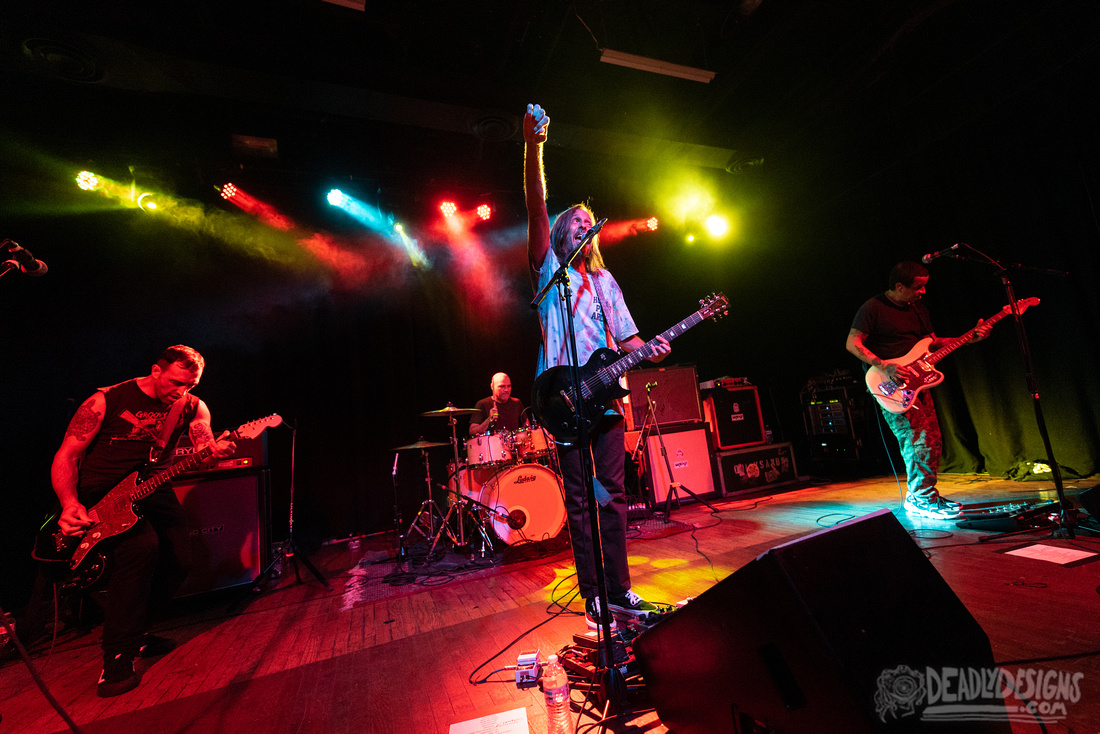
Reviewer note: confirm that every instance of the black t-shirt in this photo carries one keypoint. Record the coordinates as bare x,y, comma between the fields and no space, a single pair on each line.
131,425
510,414
892,330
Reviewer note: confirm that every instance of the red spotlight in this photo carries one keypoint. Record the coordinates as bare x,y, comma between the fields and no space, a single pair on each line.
448,208
229,191
651,223
484,212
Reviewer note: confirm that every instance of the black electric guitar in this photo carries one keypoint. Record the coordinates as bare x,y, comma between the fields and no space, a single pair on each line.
554,399
898,397
115,514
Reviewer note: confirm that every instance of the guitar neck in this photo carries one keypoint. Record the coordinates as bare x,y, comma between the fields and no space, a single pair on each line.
632,359
150,485
953,344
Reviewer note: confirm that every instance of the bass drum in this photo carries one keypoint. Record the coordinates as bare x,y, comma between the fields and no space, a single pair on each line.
466,482
527,503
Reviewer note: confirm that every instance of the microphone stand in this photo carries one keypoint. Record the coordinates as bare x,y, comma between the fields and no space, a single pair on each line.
1064,526
612,681
673,485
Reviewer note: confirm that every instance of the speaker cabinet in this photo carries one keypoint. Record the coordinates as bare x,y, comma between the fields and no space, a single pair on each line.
688,450
812,634
675,394
228,519
734,416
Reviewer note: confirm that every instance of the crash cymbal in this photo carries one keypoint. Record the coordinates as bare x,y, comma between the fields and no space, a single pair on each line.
421,444
450,410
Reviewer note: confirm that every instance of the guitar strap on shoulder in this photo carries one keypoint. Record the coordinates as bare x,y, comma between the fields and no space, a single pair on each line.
597,280
170,424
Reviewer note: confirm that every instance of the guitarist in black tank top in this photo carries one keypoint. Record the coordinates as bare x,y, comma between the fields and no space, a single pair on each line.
113,432
885,328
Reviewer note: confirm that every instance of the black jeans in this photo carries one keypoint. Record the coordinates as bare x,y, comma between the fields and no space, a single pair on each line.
147,563
609,454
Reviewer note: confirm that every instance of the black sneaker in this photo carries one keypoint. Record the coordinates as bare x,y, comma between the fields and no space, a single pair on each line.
118,676
631,605
592,614
153,646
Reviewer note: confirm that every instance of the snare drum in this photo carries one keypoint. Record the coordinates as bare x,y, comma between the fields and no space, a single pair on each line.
527,503
531,443
490,449
466,482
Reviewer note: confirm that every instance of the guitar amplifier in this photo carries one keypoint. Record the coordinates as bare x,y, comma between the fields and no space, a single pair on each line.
251,453
228,523
675,395
734,416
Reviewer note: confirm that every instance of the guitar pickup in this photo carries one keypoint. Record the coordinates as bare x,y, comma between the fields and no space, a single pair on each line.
568,402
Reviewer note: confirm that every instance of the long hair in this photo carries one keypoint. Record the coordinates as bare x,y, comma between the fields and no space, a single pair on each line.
593,260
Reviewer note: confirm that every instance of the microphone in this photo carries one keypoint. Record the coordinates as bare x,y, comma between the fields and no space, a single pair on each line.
942,253
23,259
395,464
591,234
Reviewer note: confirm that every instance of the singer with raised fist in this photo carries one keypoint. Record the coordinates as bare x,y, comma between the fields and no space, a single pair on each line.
600,319
498,412
887,327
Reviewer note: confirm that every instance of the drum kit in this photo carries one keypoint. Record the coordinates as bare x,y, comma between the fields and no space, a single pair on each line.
506,486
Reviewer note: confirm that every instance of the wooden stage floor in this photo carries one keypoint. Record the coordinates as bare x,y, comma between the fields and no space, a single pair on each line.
374,656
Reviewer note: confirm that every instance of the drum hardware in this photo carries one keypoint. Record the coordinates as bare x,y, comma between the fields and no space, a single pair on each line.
450,411
429,512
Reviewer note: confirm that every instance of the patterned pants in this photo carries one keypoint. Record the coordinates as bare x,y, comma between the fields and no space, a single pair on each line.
918,434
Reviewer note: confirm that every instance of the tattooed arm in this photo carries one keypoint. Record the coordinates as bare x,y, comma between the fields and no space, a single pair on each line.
66,463
202,435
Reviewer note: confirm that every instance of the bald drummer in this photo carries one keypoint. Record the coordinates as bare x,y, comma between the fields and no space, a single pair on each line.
498,412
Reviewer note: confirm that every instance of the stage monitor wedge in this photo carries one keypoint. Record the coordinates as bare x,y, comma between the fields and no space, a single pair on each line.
801,639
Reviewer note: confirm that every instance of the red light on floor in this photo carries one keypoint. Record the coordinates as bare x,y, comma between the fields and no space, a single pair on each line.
484,212
448,208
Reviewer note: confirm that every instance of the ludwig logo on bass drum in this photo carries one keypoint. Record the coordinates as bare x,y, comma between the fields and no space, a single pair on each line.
522,478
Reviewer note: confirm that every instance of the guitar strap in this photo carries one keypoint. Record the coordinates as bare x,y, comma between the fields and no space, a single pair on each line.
602,300
170,424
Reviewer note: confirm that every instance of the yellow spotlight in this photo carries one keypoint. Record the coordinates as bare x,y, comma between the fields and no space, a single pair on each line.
145,202
717,226
691,238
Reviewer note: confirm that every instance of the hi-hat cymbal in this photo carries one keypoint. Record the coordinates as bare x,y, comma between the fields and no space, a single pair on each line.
450,410
421,444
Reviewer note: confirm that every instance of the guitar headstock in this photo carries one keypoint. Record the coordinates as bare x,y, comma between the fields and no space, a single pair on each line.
1025,304
256,427
714,306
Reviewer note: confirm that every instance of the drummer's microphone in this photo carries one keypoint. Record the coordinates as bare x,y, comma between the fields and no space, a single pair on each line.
395,464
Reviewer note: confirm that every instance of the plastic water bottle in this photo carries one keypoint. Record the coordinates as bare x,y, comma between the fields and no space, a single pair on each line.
555,686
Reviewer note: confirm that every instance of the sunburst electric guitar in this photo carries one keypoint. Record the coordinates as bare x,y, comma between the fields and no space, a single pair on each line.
115,514
554,399
898,397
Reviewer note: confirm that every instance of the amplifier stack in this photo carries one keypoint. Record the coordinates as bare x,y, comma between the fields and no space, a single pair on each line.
713,433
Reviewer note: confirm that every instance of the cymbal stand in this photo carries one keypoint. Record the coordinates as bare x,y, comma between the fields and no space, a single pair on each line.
426,517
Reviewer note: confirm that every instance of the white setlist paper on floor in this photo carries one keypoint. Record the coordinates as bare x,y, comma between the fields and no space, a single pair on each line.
506,722
1051,553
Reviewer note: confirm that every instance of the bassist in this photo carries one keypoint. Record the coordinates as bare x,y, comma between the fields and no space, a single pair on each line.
886,327
601,320
113,431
